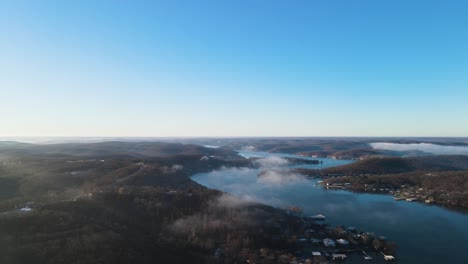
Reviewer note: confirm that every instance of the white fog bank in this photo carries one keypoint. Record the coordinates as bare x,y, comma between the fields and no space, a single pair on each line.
425,147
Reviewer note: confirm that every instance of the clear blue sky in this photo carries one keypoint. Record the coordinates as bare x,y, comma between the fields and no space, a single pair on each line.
234,68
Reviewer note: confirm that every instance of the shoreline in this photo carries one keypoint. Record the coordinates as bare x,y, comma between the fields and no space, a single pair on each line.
457,209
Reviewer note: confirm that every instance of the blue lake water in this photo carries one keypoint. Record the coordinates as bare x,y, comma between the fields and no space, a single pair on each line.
424,234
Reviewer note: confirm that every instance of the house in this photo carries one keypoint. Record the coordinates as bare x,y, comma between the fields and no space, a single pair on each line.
339,256
25,209
318,217
342,242
315,241
328,242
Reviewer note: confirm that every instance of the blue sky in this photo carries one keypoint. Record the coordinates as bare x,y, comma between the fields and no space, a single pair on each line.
234,68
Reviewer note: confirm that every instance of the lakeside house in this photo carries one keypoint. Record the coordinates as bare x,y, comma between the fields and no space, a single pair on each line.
339,256
329,242
26,209
318,217
315,241
342,242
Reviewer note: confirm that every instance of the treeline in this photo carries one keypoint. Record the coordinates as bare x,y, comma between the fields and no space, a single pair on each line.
448,188
113,149
450,181
394,165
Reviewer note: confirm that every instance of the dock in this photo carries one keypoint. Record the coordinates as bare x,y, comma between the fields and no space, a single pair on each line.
388,257
366,257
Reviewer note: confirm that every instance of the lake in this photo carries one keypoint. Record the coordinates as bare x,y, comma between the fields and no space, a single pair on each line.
424,234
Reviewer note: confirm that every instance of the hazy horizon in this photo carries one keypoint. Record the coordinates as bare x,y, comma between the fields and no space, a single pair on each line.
421,145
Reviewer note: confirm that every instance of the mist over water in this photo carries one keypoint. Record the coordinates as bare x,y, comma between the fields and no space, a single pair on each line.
422,232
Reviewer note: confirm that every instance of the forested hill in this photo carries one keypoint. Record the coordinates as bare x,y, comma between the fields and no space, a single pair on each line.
114,149
136,207
117,202
392,165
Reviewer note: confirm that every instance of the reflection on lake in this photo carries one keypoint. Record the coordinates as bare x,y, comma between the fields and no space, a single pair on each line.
424,234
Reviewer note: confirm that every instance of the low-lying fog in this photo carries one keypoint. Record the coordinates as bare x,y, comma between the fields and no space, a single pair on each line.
424,147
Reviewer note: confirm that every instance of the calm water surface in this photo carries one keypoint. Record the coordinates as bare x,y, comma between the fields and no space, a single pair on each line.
424,234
